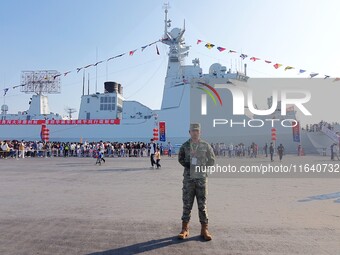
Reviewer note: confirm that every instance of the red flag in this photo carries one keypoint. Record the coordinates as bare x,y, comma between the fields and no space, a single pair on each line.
199,41
131,52
221,49
277,65
254,59
157,50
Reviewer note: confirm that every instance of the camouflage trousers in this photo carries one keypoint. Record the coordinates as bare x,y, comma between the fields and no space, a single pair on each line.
195,188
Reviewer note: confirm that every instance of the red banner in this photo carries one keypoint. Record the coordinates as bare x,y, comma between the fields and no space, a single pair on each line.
162,136
296,133
61,122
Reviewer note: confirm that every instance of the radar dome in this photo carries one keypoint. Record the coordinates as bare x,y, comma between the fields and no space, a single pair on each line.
175,32
4,108
217,68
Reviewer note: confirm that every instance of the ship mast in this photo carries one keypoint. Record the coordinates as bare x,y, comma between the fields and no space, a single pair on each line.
177,53
167,23
174,39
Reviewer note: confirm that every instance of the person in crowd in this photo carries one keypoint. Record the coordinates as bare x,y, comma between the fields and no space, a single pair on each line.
152,153
271,151
280,151
158,158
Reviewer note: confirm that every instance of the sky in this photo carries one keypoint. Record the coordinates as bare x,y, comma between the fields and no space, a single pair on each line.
65,34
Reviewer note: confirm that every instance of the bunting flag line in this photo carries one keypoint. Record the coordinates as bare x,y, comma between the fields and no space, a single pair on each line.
131,53
118,56
99,62
255,59
153,43
87,66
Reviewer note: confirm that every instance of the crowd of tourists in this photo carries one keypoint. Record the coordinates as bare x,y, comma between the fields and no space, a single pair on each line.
21,149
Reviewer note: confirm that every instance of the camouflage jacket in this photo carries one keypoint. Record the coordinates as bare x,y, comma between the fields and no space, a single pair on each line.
203,153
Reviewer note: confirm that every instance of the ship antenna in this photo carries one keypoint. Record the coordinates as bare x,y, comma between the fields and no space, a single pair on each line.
167,23
88,83
84,82
96,67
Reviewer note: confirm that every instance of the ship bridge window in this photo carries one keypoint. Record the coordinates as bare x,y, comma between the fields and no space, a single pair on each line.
88,100
107,104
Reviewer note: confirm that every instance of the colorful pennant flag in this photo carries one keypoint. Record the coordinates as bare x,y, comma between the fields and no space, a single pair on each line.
221,49
98,63
288,68
78,69
243,56
118,56
153,42
110,59
209,46
132,52
277,65
157,50
143,47
55,76
66,73
5,91
254,59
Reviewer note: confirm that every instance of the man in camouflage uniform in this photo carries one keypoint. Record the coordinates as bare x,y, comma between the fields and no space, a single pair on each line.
195,153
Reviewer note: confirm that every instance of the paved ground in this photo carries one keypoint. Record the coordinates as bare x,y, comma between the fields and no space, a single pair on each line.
70,206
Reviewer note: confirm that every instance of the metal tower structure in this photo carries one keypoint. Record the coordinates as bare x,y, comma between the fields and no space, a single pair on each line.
39,82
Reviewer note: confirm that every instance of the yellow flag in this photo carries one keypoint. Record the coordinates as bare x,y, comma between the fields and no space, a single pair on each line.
288,67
